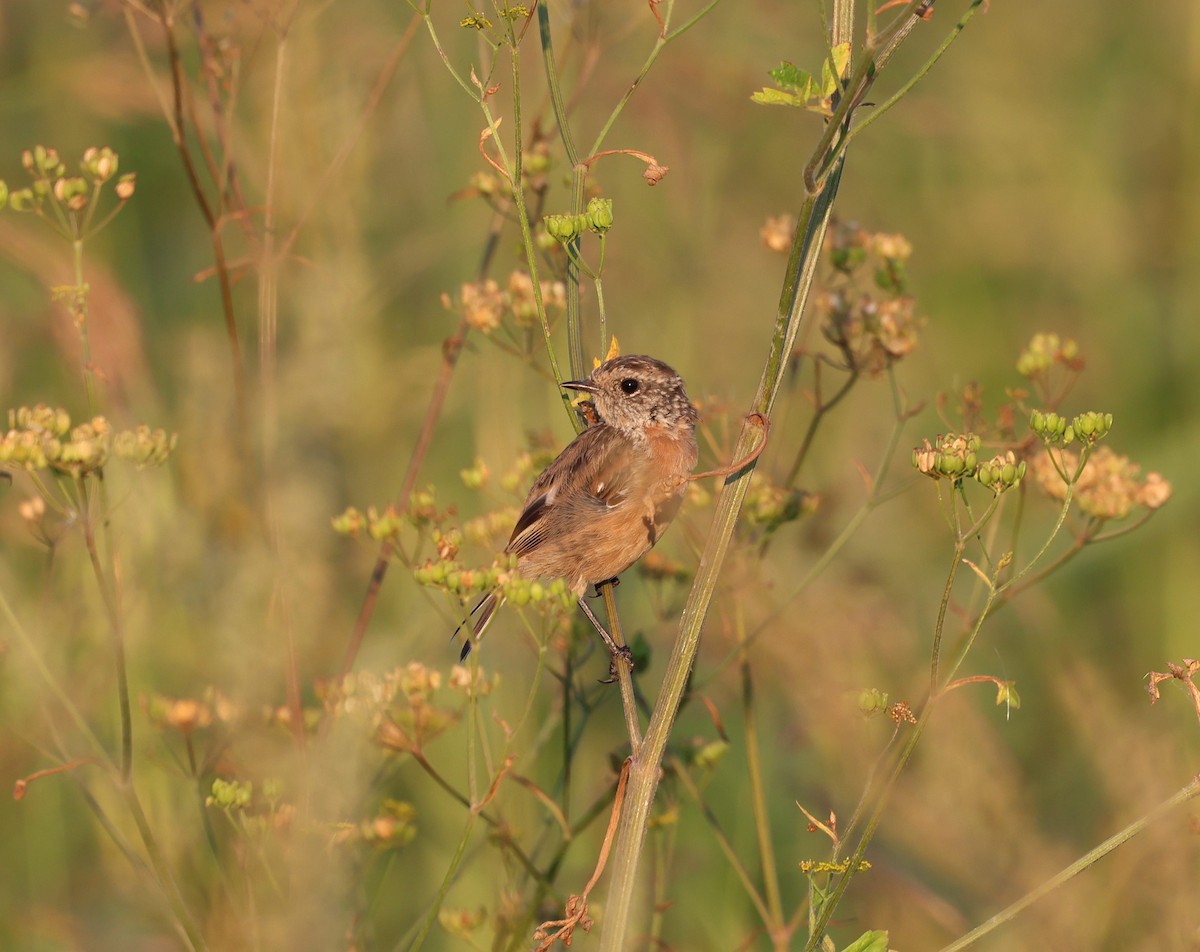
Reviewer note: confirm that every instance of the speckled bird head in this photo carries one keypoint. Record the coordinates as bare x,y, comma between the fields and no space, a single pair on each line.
634,392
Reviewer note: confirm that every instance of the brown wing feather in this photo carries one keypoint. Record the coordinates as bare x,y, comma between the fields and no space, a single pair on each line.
589,473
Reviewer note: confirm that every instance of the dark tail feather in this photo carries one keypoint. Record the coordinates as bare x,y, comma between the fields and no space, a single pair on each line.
485,609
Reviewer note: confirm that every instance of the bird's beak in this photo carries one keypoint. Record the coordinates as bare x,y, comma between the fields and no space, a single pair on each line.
580,385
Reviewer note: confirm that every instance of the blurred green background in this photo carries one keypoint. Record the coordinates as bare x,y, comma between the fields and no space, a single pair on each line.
1044,173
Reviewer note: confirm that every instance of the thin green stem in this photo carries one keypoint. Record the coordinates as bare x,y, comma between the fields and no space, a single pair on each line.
447,881
874,499
79,311
680,771
624,674
56,688
162,870
939,678
555,86
758,799
813,425
829,905
116,628
920,73
1084,862
603,317
575,346
832,144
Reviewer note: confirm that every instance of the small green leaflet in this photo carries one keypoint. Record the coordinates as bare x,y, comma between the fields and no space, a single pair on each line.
876,941
795,87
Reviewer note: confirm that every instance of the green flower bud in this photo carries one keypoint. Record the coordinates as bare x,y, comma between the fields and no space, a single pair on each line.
100,164
536,162
72,192
848,258
710,754
564,228
599,215
23,200
1092,426
1001,473
230,794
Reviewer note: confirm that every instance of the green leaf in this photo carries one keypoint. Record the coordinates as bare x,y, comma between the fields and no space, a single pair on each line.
840,56
777,97
874,941
789,76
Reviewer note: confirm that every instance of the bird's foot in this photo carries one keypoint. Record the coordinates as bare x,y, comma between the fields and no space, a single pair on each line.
618,654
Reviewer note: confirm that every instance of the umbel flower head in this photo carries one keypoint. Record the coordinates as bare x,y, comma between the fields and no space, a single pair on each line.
41,437
952,456
1109,487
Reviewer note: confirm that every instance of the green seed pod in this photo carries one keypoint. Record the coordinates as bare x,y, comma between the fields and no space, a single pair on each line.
600,215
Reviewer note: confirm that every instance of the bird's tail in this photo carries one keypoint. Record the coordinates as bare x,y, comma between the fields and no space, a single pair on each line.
482,616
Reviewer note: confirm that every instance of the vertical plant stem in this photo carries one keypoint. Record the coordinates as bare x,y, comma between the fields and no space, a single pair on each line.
178,126
452,348
116,629
162,870
268,343
574,330
643,779
758,799
79,311
624,675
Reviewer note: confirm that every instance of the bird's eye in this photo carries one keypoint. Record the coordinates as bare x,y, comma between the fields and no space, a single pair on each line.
629,385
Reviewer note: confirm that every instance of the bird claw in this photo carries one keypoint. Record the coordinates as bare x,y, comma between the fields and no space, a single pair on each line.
614,582
622,653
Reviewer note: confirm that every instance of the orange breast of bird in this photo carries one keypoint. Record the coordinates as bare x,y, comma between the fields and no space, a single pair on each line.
633,524
623,515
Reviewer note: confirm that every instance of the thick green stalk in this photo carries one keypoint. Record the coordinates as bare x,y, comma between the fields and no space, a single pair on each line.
644,769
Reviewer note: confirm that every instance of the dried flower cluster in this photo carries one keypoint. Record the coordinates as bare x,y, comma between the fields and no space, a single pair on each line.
41,437
1109,487
865,311
485,304
68,202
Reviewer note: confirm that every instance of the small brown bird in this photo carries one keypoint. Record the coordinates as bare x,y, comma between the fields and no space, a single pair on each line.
610,495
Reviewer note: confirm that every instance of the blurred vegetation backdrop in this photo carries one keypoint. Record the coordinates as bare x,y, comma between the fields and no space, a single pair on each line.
1042,174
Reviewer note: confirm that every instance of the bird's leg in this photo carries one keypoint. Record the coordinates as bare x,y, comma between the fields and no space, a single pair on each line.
617,651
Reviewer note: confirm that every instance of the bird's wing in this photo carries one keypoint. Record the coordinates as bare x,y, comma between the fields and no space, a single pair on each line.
591,474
